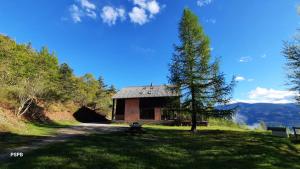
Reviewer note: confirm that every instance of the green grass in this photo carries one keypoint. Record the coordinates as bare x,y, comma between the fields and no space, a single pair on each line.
32,132
167,147
46,129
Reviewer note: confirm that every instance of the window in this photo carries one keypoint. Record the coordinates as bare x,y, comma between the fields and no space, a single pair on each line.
147,113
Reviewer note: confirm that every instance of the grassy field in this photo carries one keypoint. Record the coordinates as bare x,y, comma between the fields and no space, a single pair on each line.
167,147
31,133
16,131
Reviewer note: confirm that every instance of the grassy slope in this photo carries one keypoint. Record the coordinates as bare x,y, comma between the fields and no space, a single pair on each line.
16,131
167,147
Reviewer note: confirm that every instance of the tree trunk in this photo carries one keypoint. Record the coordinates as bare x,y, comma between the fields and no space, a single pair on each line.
24,107
27,107
194,122
193,110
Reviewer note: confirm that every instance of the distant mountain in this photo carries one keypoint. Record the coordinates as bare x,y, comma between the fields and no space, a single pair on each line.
271,114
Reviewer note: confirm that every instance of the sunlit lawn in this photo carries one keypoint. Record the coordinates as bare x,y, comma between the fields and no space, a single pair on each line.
166,147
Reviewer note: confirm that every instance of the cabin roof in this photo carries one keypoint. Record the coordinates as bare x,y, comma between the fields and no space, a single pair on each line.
145,91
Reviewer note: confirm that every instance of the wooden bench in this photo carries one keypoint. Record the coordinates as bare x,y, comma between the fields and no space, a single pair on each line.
199,123
278,131
186,123
202,123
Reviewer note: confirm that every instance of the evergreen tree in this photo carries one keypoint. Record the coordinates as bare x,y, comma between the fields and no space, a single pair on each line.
102,85
199,81
66,83
292,54
112,89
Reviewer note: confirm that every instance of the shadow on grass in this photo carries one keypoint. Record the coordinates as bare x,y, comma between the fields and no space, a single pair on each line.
11,140
166,149
38,127
37,132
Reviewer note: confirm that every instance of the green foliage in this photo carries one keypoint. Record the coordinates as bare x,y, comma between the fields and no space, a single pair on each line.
291,52
225,123
28,76
200,82
66,83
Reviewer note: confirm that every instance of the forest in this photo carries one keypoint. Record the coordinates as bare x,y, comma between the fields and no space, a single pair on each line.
31,78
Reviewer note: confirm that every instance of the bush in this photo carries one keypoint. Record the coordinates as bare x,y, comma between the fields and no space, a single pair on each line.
223,122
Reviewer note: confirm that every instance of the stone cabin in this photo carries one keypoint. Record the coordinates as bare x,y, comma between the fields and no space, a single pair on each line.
145,103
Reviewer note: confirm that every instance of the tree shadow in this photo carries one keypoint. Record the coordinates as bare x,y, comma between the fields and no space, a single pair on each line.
37,117
11,140
36,114
40,127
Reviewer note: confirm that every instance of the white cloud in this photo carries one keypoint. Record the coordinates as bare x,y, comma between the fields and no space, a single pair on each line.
141,12
91,14
122,13
144,10
211,20
76,13
138,15
245,59
141,3
270,93
86,4
153,8
264,55
250,80
110,15
202,3
265,95
239,78
82,8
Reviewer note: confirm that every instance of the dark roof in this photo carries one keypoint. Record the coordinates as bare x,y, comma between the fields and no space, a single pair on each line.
145,91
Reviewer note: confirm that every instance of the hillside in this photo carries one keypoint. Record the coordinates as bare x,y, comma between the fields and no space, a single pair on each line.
33,81
271,114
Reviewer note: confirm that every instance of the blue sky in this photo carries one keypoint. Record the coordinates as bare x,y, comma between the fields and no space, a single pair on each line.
130,42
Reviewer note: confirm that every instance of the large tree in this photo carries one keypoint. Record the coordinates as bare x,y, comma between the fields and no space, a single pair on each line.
67,83
199,81
27,77
292,54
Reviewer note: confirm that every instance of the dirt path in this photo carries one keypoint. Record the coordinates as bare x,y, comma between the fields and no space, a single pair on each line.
63,134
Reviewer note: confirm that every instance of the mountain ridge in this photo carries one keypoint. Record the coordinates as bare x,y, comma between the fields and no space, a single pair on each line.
272,114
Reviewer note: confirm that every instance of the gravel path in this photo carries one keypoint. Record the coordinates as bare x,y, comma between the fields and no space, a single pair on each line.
63,134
